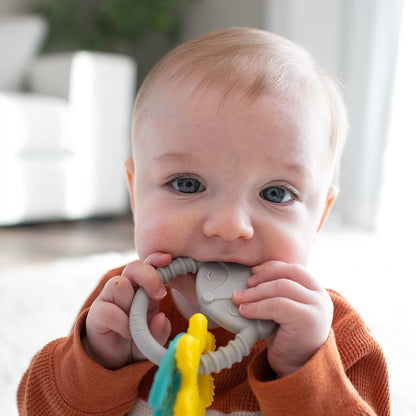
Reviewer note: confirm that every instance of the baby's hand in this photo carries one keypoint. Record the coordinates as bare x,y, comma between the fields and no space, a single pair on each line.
108,339
289,295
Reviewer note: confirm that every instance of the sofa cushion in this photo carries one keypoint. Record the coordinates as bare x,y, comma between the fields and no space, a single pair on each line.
32,123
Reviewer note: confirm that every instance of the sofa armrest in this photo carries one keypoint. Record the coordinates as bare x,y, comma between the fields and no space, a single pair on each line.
61,74
100,90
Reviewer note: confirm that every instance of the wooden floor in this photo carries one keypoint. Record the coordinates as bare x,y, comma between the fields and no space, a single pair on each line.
48,241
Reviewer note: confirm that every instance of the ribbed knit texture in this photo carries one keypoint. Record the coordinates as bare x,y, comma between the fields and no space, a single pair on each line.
346,376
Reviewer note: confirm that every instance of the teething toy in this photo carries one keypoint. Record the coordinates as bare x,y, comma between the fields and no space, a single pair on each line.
177,388
196,391
215,284
162,396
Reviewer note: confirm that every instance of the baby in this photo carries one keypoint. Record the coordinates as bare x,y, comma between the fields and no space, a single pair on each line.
237,137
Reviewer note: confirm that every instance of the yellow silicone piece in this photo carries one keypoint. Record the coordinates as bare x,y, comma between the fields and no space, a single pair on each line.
196,391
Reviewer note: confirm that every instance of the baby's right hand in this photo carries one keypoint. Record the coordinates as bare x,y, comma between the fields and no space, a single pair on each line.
108,339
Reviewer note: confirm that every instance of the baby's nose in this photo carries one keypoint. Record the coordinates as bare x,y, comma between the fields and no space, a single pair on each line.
229,222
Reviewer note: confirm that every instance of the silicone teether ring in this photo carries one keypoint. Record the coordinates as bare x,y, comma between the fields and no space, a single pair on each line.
248,331
138,311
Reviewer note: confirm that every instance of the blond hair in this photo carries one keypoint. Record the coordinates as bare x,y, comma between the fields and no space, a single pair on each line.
254,62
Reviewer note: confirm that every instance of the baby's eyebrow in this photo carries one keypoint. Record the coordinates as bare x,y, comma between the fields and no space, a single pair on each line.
287,166
174,157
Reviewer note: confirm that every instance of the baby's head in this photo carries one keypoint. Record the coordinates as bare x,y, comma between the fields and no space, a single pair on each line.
237,137
248,63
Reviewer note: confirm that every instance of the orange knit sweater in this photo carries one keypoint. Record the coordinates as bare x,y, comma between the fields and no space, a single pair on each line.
346,376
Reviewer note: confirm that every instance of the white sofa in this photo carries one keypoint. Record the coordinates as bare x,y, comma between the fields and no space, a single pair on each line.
64,128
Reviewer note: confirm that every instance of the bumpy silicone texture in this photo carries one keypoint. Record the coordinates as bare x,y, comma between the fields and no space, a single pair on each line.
215,284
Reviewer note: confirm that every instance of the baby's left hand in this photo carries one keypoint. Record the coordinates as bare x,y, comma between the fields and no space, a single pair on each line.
289,295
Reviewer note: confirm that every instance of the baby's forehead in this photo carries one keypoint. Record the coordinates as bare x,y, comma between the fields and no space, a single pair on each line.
243,75
183,90
184,108
240,74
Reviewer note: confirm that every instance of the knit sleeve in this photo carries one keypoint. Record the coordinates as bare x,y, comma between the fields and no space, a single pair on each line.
346,376
62,379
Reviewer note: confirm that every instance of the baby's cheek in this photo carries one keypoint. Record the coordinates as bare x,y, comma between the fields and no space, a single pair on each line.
155,234
288,244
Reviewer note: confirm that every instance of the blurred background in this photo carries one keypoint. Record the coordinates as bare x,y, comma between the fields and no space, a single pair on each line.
69,71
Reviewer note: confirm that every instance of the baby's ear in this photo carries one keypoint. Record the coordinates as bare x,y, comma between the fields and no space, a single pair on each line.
129,165
330,199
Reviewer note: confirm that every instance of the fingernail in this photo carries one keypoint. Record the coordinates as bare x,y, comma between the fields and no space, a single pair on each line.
251,281
243,308
161,292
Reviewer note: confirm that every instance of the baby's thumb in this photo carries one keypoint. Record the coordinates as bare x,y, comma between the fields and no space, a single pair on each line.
160,328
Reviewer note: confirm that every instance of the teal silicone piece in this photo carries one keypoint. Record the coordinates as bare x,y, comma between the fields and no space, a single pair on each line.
166,382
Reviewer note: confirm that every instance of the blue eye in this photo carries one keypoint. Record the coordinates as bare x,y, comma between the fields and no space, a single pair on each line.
276,194
187,185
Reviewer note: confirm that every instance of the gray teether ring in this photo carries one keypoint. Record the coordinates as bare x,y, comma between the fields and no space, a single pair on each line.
215,284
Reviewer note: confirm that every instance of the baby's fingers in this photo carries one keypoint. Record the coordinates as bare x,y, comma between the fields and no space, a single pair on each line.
105,317
146,276
273,270
160,327
158,259
283,288
280,310
120,291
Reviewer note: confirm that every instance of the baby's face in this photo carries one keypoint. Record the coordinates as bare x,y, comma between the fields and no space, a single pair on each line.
233,180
